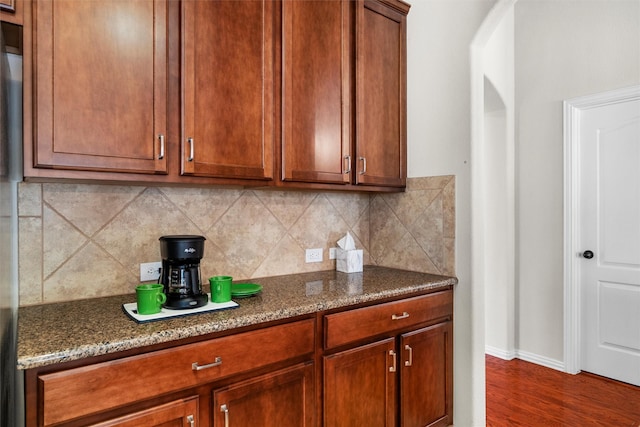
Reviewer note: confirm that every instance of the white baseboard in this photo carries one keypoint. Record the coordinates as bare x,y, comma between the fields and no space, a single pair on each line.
500,353
558,365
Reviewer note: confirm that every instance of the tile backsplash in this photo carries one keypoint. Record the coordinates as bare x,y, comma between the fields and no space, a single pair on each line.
81,241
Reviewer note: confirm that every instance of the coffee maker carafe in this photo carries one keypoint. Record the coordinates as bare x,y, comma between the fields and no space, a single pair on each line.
180,276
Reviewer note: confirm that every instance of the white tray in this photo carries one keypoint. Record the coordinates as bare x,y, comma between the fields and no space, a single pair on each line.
131,309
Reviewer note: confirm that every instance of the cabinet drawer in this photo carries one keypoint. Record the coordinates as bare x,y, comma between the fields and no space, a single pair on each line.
353,325
82,391
176,413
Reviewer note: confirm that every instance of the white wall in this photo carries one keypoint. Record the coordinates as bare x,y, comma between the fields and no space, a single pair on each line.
564,49
438,134
495,203
499,283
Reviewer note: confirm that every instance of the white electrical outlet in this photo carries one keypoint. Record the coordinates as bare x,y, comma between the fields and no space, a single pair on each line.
313,255
332,253
150,271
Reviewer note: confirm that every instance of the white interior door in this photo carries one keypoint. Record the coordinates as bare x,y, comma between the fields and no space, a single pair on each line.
609,227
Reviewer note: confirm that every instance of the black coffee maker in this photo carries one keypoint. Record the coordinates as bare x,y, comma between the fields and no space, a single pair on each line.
180,275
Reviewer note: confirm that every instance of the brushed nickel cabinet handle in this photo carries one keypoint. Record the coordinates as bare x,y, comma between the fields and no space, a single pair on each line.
191,421
161,155
364,165
347,159
392,368
216,362
404,315
191,149
410,361
223,408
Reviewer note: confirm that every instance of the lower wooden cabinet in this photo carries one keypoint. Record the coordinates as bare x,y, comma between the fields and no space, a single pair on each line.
284,398
385,364
425,360
360,386
179,413
398,373
98,392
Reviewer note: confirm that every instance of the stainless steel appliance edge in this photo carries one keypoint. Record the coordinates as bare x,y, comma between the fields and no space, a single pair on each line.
11,380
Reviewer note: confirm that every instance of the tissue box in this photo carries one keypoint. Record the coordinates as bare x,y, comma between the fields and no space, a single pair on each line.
349,261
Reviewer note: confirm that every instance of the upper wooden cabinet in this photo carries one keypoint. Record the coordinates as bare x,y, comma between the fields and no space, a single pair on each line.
291,93
316,140
100,85
8,5
345,92
12,11
381,116
228,88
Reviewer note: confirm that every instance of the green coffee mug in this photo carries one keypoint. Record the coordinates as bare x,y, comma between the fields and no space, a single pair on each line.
150,298
220,288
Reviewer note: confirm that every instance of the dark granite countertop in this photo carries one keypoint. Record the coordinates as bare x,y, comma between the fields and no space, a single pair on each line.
60,332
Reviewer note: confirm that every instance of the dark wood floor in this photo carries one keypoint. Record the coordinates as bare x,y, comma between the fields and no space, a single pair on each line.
525,394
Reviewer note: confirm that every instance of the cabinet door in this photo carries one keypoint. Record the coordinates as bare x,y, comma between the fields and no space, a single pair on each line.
426,394
228,95
8,5
381,141
12,11
100,85
360,386
179,413
316,129
284,398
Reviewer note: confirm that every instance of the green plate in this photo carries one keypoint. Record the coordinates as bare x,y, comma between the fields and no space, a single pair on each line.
240,290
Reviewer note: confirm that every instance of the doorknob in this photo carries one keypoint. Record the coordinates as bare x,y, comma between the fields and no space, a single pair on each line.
587,254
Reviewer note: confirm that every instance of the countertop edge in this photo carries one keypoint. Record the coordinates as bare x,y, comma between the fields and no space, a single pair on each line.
97,349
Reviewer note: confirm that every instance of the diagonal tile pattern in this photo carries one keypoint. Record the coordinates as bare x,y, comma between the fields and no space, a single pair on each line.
415,230
320,226
88,207
286,206
132,236
58,230
81,241
203,206
246,233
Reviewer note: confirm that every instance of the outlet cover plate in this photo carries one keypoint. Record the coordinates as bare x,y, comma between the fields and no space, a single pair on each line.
150,271
313,255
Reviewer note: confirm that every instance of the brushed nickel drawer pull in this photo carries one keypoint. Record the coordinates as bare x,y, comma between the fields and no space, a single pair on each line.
161,155
392,368
404,315
364,165
347,158
410,350
191,421
216,362
191,149
223,408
